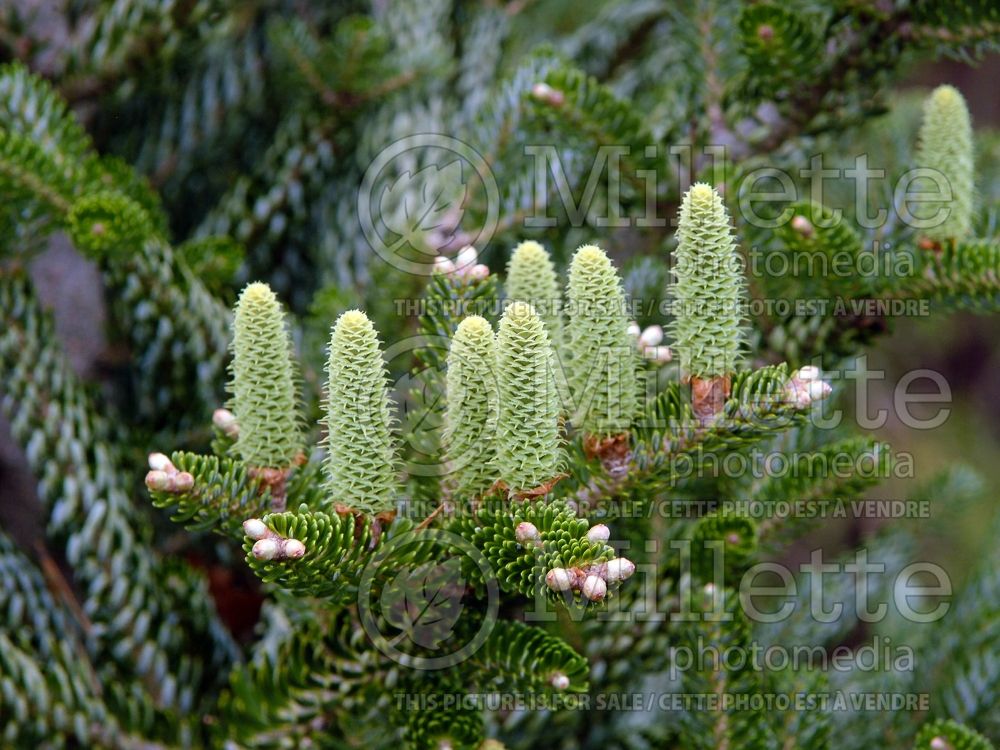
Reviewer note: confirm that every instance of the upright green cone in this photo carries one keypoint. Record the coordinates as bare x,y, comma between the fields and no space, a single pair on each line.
531,278
946,147
361,452
264,394
602,354
528,450
472,407
708,287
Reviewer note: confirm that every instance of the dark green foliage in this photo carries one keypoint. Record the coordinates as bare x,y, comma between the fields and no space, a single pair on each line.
524,659
722,543
222,498
822,249
133,596
107,223
950,734
758,406
963,276
780,46
448,725
337,549
521,568
64,698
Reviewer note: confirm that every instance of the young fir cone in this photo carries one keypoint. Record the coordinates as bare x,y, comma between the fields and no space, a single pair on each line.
707,293
531,278
528,450
603,358
264,395
946,147
361,452
472,407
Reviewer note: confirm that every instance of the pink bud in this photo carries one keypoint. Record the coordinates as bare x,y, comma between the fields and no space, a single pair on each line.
265,549
559,579
255,528
595,588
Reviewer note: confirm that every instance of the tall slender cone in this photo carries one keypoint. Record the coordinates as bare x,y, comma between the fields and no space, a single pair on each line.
361,451
264,394
946,147
531,278
707,293
472,407
603,358
528,450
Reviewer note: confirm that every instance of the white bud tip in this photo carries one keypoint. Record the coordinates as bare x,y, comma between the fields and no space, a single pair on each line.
159,462
255,528
595,588
265,549
809,372
709,589
663,354
802,225
545,93
940,743
660,354
818,390
526,533
479,272
559,579
157,480
223,419
466,257
294,549
633,330
598,533
443,265
559,681
652,336
619,569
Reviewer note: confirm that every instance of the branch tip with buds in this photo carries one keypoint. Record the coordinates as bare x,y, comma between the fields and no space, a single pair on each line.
591,581
805,387
270,545
225,421
163,476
